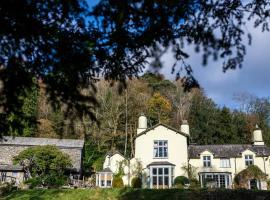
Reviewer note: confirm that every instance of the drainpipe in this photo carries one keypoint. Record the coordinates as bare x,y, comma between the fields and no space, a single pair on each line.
264,164
235,165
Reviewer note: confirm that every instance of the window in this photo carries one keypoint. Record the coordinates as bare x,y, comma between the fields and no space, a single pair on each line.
160,149
161,177
14,174
217,180
206,161
3,176
249,160
225,163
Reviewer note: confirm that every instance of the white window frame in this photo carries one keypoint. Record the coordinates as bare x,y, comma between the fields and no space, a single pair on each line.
218,178
160,149
170,176
104,183
207,161
249,160
225,163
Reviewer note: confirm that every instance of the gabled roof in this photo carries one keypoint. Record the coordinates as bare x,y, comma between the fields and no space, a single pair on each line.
106,170
31,141
161,124
227,150
11,168
113,152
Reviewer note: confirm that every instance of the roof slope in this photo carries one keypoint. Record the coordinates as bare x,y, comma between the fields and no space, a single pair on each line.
31,141
161,124
227,150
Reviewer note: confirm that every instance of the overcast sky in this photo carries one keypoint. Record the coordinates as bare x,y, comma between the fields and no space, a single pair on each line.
253,78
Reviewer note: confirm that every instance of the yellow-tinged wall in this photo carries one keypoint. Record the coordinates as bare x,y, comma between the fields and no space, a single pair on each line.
177,148
236,164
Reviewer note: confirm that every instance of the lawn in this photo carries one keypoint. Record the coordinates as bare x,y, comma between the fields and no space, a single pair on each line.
136,194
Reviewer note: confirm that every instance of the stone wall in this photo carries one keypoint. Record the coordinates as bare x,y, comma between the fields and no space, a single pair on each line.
7,152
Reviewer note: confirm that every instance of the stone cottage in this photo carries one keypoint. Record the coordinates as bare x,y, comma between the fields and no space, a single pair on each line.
12,146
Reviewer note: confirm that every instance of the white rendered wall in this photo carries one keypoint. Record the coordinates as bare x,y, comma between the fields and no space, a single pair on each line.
236,164
113,162
177,148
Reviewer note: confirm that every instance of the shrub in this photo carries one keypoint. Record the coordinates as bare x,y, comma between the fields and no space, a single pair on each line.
46,165
117,182
6,188
181,180
194,184
136,182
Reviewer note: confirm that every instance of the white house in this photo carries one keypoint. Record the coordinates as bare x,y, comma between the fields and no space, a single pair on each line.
161,152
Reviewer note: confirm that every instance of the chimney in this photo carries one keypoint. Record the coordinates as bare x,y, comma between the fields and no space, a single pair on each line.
257,136
185,127
142,125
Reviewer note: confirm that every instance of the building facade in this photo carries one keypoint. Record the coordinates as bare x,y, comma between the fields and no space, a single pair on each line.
163,153
12,146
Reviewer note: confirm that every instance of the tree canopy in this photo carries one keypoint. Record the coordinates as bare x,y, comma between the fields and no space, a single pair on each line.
67,45
44,165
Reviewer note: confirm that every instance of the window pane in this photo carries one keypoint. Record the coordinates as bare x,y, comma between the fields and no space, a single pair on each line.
154,171
165,152
160,180
160,153
166,181
160,171
222,180
154,180
166,170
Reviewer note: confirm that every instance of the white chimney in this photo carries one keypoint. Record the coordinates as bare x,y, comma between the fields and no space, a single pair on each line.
185,127
142,125
257,136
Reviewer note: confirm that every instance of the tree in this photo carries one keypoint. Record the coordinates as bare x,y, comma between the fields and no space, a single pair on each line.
67,52
45,165
159,108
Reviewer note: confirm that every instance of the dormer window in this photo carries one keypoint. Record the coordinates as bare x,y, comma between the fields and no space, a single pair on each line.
249,160
207,161
160,148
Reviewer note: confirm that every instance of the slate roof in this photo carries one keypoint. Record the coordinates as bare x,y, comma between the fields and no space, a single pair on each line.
106,170
30,141
113,152
161,124
160,163
227,150
11,168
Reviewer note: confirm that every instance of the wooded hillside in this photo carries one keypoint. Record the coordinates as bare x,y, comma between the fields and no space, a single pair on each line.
159,99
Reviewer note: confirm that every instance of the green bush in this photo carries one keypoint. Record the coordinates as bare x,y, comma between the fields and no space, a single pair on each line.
6,188
194,184
181,180
46,164
136,182
117,182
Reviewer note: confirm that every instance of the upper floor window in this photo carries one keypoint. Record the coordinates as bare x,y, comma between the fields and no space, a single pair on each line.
249,160
207,161
225,162
160,149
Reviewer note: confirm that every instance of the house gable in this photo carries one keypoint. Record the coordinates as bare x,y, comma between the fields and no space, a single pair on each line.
164,125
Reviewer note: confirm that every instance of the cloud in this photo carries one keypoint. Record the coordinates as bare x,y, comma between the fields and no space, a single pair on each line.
254,77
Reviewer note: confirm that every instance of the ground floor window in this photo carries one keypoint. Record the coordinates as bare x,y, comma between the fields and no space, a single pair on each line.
254,184
104,179
215,180
161,177
3,176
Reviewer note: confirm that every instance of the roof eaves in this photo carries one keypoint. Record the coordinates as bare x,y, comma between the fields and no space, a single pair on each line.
161,124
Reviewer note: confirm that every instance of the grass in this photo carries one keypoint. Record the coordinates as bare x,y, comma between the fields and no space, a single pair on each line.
135,194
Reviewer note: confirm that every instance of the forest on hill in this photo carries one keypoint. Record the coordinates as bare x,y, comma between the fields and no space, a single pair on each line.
118,108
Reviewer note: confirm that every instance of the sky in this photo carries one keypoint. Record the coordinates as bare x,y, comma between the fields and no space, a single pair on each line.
253,77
